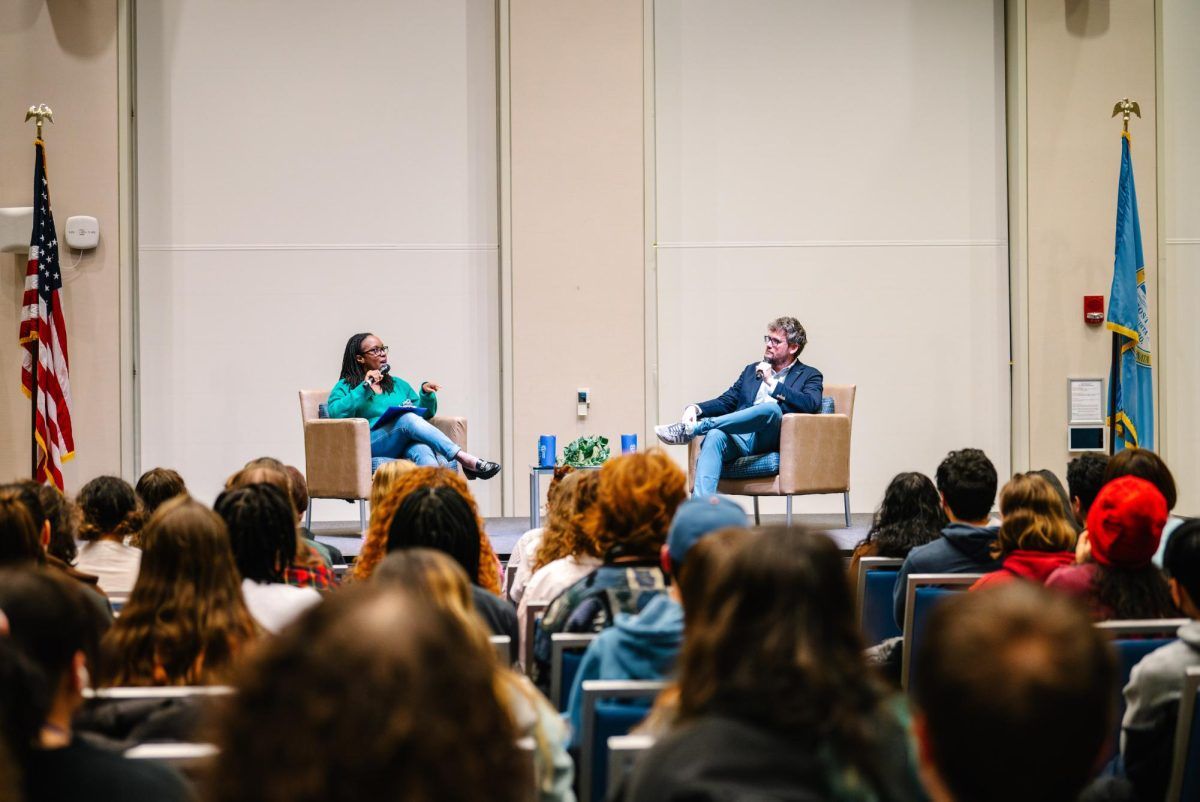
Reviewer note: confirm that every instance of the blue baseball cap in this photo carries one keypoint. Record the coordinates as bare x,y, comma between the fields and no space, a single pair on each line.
696,518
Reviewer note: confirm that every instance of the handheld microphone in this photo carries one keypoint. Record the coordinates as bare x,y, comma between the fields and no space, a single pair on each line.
385,368
758,374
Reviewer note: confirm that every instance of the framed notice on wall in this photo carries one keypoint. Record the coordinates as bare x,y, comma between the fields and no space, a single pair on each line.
1085,415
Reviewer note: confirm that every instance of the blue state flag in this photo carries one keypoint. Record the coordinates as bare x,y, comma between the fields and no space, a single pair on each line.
1132,406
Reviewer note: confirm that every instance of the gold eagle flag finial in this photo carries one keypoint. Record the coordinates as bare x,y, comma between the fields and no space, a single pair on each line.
1124,107
41,112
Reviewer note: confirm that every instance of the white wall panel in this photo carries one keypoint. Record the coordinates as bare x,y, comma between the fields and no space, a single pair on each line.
309,170
845,164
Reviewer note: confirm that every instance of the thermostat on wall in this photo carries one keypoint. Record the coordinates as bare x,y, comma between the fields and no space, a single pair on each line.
83,232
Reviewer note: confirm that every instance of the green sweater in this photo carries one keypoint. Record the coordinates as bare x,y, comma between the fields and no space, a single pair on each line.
360,402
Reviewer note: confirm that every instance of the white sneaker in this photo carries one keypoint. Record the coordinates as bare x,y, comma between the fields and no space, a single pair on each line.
675,434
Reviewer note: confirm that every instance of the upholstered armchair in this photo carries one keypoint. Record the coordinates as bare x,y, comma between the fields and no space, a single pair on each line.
813,457
337,452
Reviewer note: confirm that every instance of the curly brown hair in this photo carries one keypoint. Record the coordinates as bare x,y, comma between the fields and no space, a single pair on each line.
376,541
185,621
1032,518
565,533
636,498
385,696
109,508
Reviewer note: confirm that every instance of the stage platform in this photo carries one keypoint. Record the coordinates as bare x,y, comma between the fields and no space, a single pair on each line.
504,532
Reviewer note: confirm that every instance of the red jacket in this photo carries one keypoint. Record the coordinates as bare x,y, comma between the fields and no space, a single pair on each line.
1022,564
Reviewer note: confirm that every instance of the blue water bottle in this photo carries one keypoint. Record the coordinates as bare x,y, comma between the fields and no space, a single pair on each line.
547,451
629,444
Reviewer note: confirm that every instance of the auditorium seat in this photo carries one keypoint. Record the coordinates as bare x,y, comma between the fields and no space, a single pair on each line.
609,708
566,653
876,579
337,453
813,457
924,591
1185,766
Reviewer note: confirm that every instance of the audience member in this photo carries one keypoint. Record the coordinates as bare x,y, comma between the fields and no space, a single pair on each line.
1085,477
1156,684
63,517
524,551
20,541
385,479
911,515
442,733
567,551
775,700
1036,535
330,555
645,645
636,498
307,568
437,578
111,514
1145,464
1013,689
1064,499
375,544
185,621
1118,580
967,481
51,624
442,516
158,485
262,533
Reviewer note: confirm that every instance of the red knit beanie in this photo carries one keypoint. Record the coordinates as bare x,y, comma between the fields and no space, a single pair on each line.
1125,522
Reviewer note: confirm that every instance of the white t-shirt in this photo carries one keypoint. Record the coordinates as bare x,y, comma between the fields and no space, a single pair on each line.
114,563
274,605
552,579
523,555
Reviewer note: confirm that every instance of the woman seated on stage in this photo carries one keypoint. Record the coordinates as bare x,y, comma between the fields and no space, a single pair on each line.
366,390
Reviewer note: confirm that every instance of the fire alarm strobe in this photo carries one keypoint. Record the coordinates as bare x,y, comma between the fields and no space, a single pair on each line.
1093,309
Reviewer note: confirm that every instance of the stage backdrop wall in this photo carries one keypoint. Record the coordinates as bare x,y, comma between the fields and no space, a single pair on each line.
854,178
309,170
1179,385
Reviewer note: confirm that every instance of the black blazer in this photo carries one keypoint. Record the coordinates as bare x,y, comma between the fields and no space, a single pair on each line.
800,391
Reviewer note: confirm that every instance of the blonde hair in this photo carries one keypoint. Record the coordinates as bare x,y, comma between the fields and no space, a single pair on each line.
385,479
1032,518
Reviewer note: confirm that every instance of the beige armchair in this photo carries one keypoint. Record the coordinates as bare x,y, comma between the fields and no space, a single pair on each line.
814,456
337,453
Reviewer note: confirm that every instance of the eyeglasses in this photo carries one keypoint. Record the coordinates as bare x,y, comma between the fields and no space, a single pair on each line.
772,340
380,350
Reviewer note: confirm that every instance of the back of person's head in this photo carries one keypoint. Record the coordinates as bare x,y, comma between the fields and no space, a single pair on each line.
20,537
773,641
442,734
566,532
1085,477
431,575
704,562
967,481
636,498
299,488
1032,517
1181,562
63,516
1064,499
109,506
262,530
911,515
1016,676
52,624
24,702
158,485
1144,464
385,479
379,532
264,473
438,518
185,619
1125,526
267,462
694,521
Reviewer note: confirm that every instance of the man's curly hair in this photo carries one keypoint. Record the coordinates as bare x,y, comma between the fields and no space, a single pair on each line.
375,544
636,498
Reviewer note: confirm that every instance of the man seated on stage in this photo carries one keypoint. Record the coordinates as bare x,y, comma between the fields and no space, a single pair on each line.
745,419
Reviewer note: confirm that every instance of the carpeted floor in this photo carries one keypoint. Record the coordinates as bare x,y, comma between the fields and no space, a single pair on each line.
505,531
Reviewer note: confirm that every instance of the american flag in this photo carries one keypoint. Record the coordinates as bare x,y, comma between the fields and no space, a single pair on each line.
44,337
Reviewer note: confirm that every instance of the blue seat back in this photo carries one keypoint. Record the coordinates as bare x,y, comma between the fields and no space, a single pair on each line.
924,600
878,617
613,717
1191,769
571,659
1130,652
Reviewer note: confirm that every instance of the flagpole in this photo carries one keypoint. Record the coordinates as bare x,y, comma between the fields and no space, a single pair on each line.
1124,107
39,113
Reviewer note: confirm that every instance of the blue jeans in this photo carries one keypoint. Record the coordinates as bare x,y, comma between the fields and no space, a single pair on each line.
753,430
413,438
